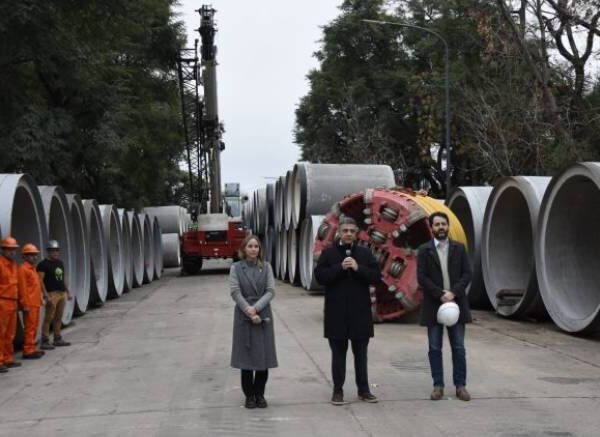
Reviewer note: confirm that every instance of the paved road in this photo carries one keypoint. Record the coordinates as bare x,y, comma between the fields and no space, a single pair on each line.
155,363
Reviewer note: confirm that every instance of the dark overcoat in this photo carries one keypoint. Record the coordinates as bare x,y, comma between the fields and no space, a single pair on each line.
347,299
253,345
429,273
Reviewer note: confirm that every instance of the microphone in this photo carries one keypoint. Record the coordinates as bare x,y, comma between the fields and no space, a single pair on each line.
349,253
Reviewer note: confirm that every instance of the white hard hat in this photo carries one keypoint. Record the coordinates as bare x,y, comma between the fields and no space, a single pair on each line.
53,245
448,313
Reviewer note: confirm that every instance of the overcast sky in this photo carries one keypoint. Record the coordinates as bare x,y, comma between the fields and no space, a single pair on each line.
264,53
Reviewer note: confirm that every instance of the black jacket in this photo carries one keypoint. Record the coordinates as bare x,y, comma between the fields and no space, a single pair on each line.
429,274
347,299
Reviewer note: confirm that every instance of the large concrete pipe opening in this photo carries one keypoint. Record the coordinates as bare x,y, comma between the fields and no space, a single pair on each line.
80,277
292,256
126,250
157,246
270,206
288,198
171,250
114,243
315,187
58,217
468,203
308,233
137,249
567,248
22,214
98,252
170,217
507,252
148,246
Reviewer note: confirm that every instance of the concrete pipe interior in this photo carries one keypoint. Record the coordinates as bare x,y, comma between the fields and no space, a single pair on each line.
308,233
98,255
148,247
170,217
80,277
569,273
278,254
126,250
171,250
58,216
114,242
283,249
137,251
277,212
157,246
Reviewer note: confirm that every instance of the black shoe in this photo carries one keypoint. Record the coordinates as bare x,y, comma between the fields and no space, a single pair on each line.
338,398
3,368
250,402
13,364
60,342
368,397
261,402
33,355
46,346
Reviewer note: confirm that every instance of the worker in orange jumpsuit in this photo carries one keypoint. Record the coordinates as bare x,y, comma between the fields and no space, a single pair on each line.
30,300
9,295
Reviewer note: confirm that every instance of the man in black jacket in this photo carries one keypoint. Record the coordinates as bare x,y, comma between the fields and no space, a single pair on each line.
444,271
346,270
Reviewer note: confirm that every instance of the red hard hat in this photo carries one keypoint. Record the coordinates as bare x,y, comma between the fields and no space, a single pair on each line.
10,243
29,249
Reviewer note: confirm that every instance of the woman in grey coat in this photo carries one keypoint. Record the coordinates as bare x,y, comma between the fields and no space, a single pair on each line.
253,347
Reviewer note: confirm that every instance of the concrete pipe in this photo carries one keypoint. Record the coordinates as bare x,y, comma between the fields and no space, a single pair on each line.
171,218
287,200
137,249
113,241
566,248
79,279
171,250
315,187
292,256
278,210
60,228
22,214
283,268
126,250
507,253
260,211
98,252
468,203
307,263
158,253
270,245
148,247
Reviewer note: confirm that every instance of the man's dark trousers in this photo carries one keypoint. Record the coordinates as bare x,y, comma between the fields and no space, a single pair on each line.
456,334
338,363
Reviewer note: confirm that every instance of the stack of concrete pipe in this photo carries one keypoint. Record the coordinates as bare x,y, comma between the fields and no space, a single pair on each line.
104,249
173,221
277,211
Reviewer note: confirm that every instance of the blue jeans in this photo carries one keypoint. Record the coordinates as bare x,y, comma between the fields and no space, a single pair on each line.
456,334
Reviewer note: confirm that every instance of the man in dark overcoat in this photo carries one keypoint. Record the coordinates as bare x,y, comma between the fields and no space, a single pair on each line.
346,270
444,272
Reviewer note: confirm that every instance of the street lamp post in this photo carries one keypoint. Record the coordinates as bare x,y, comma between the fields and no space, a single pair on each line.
446,91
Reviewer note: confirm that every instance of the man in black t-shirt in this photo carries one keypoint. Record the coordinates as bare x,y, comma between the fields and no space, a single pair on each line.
52,275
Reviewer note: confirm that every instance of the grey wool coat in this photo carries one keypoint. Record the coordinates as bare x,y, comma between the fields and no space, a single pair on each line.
253,346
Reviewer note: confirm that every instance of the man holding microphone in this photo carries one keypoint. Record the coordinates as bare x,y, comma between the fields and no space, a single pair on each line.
346,270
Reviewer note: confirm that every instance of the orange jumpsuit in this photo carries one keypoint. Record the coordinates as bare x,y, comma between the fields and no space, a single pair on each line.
30,298
9,294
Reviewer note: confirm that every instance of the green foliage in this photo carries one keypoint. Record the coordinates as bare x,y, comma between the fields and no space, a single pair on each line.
89,99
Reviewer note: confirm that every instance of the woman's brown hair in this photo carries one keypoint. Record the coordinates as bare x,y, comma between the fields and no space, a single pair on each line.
242,249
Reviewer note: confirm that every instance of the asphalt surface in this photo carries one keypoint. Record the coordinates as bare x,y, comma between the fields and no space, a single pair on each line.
156,363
